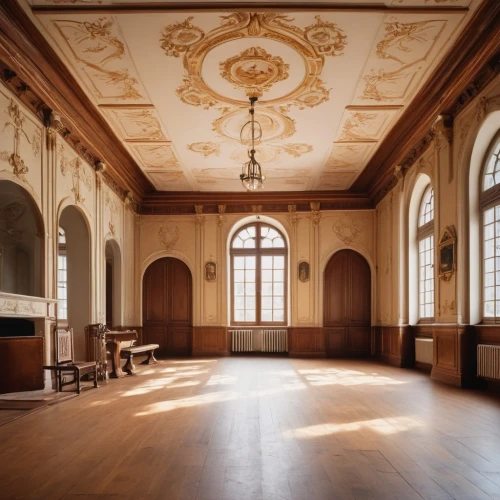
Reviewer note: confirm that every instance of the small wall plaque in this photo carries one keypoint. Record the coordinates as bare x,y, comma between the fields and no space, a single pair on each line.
304,271
211,271
447,253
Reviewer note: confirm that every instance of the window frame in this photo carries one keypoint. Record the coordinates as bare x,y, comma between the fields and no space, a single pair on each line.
258,252
61,252
488,199
424,232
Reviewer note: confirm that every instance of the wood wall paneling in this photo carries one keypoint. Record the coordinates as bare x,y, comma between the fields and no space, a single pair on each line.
306,342
210,341
396,345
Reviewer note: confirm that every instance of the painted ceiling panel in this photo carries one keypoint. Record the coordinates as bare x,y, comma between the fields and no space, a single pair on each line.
174,85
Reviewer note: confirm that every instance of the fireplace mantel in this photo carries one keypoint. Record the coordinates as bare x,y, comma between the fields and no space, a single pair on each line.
25,306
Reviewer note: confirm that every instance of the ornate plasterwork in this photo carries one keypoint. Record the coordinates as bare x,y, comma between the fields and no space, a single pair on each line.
98,48
346,230
78,173
156,156
136,124
205,148
113,211
168,235
23,307
366,124
254,70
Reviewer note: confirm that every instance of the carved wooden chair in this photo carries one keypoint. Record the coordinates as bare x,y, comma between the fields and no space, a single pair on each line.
65,364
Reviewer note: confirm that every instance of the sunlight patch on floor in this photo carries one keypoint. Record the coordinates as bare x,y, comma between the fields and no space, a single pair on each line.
384,426
346,377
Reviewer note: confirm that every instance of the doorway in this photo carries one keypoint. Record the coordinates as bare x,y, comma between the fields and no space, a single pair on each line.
167,306
347,305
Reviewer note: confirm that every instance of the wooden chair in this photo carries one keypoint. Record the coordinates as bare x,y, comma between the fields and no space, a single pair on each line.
65,363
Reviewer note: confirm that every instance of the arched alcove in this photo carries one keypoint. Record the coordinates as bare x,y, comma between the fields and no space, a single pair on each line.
77,251
113,284
21,242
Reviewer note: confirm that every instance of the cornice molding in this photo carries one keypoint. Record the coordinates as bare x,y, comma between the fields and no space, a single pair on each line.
477,47
24,50
271,202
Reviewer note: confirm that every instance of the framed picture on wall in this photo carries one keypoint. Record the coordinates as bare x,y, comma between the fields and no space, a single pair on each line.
447,253
304,271
211,271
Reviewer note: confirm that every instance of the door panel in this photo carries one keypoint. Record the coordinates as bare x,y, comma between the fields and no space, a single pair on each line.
167,307
347,305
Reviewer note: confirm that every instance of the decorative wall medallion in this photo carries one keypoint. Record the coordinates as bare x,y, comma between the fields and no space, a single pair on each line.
205,148
304,271
210,271
254,70
168,235
178,37
346,230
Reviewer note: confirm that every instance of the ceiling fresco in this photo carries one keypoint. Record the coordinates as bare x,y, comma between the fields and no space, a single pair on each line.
174,86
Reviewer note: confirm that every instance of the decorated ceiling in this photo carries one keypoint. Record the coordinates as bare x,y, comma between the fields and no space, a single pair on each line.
331,84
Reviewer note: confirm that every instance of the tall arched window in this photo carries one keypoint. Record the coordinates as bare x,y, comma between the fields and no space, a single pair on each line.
425,236
258,276
490,208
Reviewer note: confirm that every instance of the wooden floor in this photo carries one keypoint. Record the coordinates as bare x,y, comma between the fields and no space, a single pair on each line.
258,428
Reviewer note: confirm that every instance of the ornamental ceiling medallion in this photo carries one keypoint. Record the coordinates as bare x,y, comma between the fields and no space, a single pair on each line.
256,70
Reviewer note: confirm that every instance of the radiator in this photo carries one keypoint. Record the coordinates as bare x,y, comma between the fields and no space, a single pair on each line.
488,361
275,341
241,340
423,350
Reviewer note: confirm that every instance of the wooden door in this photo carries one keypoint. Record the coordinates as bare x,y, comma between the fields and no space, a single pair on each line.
347,305
167,307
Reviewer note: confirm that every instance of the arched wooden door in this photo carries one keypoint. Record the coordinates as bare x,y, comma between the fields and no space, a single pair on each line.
347,305
167,306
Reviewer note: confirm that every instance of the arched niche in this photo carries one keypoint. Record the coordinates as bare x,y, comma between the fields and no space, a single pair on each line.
21,242
113,284
77,248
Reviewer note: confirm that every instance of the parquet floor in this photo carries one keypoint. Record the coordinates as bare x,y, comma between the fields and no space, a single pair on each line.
258,428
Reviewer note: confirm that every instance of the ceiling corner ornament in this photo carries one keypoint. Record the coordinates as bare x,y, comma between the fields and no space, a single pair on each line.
326,37
346,230
254,70
168,235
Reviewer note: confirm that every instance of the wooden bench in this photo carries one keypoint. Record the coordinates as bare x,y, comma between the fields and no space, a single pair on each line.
128,351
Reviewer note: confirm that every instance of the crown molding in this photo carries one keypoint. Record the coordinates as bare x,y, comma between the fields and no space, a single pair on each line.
178,203
27,54
476,47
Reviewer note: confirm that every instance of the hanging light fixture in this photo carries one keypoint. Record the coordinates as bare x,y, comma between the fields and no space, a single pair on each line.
251,175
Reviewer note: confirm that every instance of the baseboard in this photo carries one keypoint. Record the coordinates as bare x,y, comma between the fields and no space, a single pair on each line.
423,367
306,354
210,353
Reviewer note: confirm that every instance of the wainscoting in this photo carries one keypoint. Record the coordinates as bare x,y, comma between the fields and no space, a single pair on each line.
396,345
306,342
211,341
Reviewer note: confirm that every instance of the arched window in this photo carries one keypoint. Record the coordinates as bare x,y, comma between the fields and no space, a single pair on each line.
258,276
425,237
490,207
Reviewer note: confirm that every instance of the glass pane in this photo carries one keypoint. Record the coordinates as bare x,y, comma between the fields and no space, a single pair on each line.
250,275
279,243
267,302
267,288
489,216
249,315
249,244
250,302
278,303
279,262
426,213
239,262
279,288
279,315
252,231
239,303
266,262
239,289
266,315
250,288
489,309
267,243
279,275
239,315
239,276
250,262
238,243
267,275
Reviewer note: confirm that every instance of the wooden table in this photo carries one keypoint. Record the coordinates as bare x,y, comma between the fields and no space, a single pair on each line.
114,339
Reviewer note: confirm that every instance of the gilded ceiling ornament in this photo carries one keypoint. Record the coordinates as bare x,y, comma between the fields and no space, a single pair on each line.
387,85
254,70
346,230
315,96
205,148
178,37
356,121
326,37
189,93
168,235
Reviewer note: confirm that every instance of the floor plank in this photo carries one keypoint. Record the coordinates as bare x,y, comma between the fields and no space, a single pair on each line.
259,429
